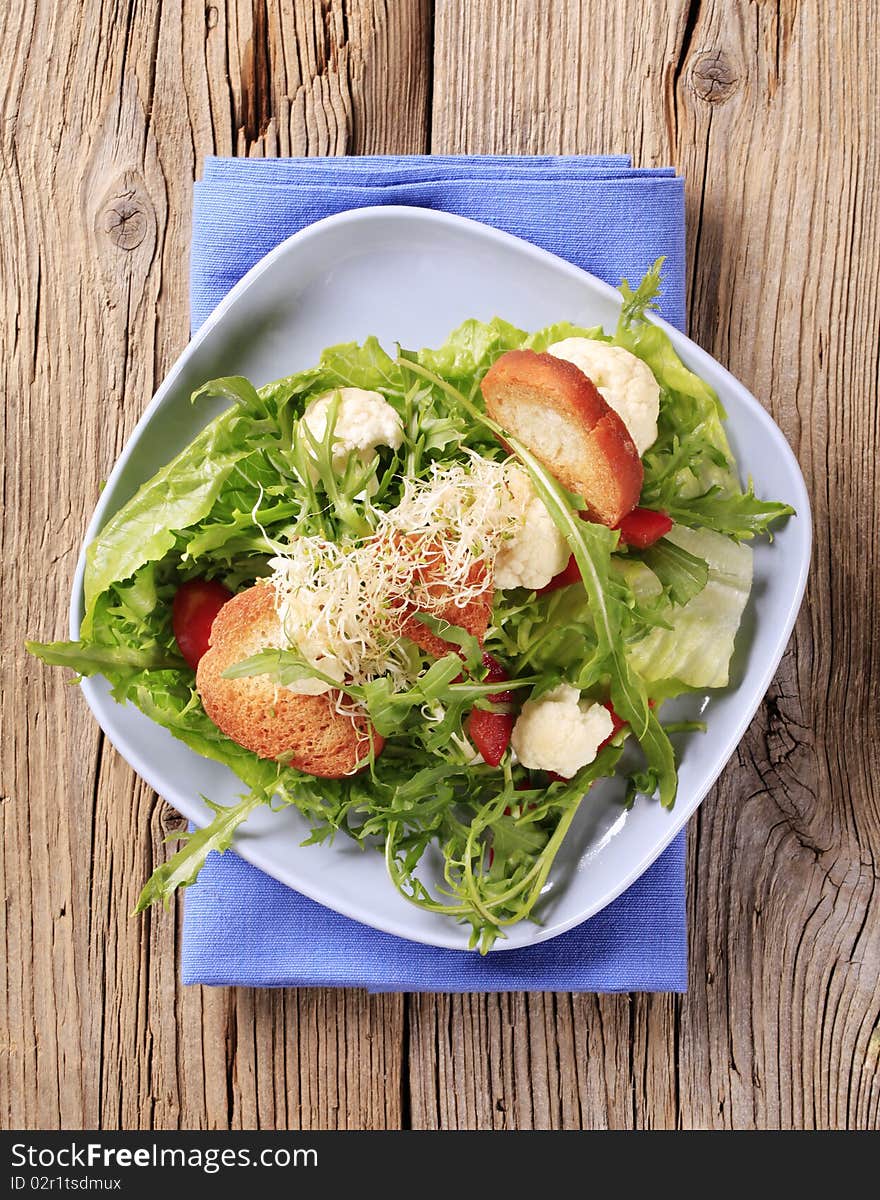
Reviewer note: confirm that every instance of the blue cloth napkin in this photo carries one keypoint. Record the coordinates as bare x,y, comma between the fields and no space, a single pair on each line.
242,927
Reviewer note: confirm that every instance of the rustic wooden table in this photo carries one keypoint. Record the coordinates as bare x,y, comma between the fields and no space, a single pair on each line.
771,112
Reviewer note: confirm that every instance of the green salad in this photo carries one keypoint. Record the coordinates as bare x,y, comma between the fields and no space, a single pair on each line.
586,629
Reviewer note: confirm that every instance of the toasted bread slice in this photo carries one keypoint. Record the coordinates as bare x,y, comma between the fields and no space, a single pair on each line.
473,616
273,721
557,412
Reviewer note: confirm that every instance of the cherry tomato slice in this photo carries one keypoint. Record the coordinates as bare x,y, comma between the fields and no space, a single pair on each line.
490,732
643,527
196,604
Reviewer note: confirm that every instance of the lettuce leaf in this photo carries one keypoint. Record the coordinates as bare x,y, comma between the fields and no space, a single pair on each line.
178,496
364,366
698,644
471,349
234,388
550,334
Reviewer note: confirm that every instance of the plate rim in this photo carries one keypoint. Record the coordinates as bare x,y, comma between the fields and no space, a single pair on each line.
694,355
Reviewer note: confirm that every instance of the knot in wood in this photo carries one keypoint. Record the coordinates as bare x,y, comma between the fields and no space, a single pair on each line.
126,218
713,77
170,824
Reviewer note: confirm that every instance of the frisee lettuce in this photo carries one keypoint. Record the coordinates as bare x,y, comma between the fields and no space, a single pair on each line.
689,471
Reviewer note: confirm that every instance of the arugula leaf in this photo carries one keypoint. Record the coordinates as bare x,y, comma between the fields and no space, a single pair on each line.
89,658
285,667
183,868
438,676
388,709
682,574
515,842
472,651
741,515
316,464
522,859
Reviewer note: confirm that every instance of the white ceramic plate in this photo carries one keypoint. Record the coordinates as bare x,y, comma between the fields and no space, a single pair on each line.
410,276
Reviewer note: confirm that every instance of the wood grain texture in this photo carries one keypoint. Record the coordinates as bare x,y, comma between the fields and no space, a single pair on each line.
108,112
770,110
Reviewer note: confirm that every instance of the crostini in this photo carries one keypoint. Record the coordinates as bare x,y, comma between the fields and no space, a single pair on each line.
273,721
558,413
472,617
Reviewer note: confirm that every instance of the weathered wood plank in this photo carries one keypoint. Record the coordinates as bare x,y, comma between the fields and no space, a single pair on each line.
106,117
766,110
108,111
542,1061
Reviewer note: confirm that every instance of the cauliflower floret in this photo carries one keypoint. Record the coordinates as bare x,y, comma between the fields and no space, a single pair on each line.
626,383
364,420
559,732
536,550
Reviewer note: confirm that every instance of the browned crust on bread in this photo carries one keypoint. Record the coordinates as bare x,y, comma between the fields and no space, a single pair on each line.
272,722
473,616
558,413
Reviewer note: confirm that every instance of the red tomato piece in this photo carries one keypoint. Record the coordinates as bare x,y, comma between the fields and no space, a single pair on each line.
495,673
196,604
643,527
569,574
490,732
617,723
